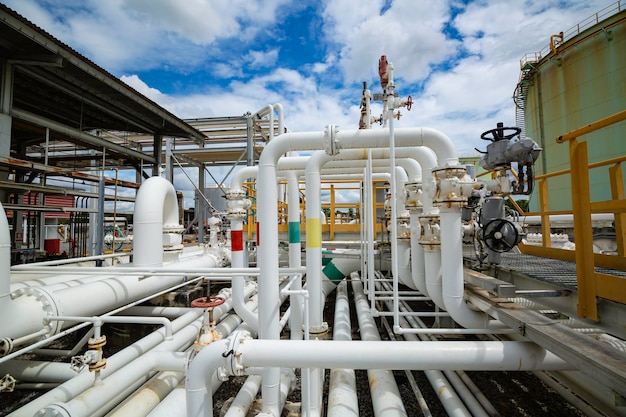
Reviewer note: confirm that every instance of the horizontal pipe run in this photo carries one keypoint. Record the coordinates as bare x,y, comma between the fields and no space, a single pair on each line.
225,273
449,355
167,325
402,330
377,313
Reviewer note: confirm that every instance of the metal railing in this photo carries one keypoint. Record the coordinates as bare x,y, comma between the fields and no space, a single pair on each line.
591,284
613,9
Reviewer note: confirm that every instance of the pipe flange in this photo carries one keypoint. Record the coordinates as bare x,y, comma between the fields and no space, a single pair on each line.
6,346
318,332
442,173
235,194
232,355
173,228
48,307
331,144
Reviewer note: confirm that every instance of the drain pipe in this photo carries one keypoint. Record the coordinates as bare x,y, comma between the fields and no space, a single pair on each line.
331,139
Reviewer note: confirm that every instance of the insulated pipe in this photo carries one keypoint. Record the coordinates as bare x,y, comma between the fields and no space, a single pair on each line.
156,208
267,200
386,398
342,396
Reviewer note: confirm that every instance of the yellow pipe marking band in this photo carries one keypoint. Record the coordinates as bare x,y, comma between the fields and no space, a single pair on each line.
313,233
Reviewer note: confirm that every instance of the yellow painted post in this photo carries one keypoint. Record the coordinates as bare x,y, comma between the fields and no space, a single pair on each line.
617,192
583,232
544,212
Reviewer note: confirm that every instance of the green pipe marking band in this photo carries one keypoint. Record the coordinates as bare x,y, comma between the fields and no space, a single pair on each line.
332,273
294,232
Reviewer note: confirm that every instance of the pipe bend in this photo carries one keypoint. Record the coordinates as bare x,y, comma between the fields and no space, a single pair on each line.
197,391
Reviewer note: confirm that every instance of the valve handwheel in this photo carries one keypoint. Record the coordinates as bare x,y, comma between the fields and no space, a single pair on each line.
500,235
409,103
498,133
207,302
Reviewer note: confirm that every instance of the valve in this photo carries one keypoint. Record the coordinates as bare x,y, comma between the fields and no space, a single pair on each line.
7,383
208,334
501,235
503,151
92,357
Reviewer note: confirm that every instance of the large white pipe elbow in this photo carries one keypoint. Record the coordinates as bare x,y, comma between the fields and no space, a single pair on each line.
452,273
156,212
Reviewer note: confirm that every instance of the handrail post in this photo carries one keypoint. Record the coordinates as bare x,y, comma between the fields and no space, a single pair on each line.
617,192
583,232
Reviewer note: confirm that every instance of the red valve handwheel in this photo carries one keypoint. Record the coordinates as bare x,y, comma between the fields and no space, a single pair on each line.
207,302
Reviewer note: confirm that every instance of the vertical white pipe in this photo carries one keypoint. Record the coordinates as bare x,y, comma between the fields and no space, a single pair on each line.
267,201
238,282
295,249
417,254
432,269
452,272
5,265
317,328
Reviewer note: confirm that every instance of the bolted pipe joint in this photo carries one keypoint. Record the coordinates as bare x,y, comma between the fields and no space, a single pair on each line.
430,234
404,227
453,186
232,355
414,196
238,204
331,141
173,237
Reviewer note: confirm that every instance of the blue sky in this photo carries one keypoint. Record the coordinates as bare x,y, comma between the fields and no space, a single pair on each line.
459,59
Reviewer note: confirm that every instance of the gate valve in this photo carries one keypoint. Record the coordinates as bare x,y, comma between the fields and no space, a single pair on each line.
208,334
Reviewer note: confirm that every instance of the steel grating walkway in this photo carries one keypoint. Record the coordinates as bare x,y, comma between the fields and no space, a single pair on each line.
553,271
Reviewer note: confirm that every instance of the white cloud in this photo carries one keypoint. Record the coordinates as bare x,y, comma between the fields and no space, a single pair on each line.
408,32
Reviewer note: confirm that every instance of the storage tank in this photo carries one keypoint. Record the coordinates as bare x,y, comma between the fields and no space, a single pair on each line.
578,79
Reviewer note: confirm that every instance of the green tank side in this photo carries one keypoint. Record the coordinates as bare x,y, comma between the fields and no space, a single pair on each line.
582,81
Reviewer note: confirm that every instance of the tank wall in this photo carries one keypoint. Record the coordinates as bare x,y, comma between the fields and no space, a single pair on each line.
584,82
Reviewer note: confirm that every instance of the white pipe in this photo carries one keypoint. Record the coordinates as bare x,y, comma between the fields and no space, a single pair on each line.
295,249
156,208
342,396
238,282
267,202
189,322
446,355
432,270
93,401
386,399
452,272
